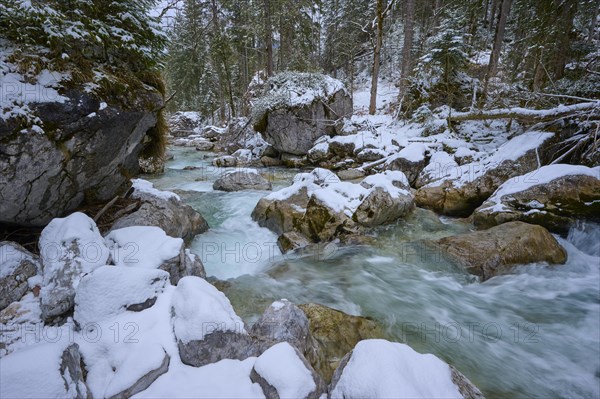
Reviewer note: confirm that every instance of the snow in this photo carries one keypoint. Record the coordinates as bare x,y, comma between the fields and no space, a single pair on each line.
142,186
56,243
383,369
11,258
414,152
142,246
225,379
543,175
199,309
281,367
34,372
128,286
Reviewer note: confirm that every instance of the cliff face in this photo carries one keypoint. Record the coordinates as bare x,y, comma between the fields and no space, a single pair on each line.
86,150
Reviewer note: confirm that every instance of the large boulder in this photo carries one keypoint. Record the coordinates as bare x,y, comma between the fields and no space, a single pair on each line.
48,370
242,179
405,374
70,247
458,190
86,151
322,208
165,210
410,160
298,108
335,333
553,196
184,123
497,250
17,265
283,372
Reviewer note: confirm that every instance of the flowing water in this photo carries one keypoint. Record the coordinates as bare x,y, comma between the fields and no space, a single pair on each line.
533,333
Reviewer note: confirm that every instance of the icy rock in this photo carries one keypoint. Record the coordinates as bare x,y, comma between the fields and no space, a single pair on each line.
111,290
553,196
225,161
497,250
70,247
242,179
378,368
50,370
165,210
17,265
283,372
144,381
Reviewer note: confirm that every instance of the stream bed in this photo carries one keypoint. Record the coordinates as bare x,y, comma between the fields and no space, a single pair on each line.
532,333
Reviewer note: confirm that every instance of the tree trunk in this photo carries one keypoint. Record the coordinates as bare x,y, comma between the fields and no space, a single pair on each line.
409,30
498,40
376,56
593,22
268,37
493,14
563,40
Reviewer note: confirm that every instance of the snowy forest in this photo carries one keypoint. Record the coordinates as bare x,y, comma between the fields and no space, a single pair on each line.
299,199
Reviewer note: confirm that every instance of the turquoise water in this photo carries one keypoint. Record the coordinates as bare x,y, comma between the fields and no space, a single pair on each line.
533,333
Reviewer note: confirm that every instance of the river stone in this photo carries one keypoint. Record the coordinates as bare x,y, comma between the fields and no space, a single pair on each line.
380,208
185,264
243,179
281,215
494,251
78,158
173,216
292,240
554,205
335,333
350,174
272,372
225,161
283,321
17,265
321,223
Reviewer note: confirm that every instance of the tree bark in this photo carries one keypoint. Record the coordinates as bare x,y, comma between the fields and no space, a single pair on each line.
526,114
498,40
563,40
376,58
268,37
409,30
593,22
493,14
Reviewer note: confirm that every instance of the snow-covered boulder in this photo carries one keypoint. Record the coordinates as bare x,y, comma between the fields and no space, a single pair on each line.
335,333
70,247
49,370
206,327
241,179
111,290
184,123
163,209
552,196
283,372
378,368
458,190
225,161
497,250
298,108
411,161
283,321
17,265
322,207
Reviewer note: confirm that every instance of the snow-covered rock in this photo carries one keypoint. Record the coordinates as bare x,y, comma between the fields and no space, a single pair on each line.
184,123
111,290
411,161
497,250
378,368
49,370
206,327
17,265
322,207
283,372
552,196
70,247
298,108
459,189
225,161
163,209
241,179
